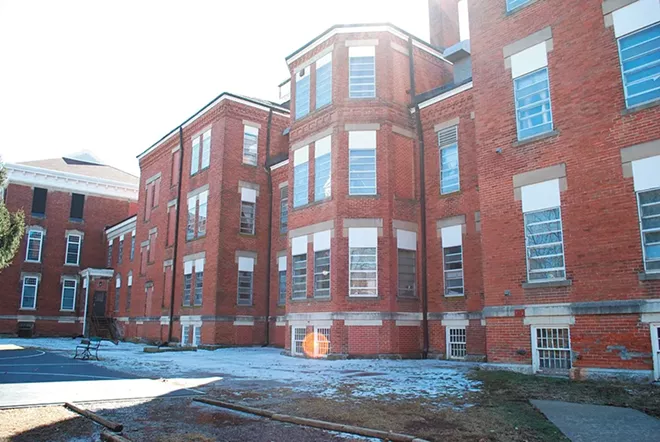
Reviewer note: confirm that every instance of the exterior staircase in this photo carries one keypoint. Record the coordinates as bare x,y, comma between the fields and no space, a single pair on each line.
104,328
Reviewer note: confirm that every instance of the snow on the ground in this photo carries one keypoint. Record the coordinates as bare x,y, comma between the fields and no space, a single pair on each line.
359,377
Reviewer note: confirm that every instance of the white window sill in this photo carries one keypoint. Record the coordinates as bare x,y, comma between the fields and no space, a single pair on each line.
455,296
34,262
363,296
547,284
73,265
28,308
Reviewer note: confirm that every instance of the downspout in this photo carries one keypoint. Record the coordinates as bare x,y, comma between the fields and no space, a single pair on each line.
84,322
270,225
176,235
422,202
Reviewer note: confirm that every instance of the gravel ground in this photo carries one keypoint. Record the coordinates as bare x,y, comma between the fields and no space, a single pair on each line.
53,424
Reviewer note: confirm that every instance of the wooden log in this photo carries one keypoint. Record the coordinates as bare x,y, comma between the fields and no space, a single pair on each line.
237,407
114,426
112,437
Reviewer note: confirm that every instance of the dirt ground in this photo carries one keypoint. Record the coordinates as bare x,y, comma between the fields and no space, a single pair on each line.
500,411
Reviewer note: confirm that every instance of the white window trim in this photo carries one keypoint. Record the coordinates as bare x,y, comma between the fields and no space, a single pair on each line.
448,343
618,46
27,246
535,354
195,341
75,290
77,263
185,328
515,105
36,293
444,273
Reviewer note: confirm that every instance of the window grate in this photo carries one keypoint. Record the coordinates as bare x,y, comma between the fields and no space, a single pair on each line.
245,281
362,77
457,343
363,271
553,349
282,287
322,341
187,288
362,171
448,136
406,266
298,346
299,278
247,217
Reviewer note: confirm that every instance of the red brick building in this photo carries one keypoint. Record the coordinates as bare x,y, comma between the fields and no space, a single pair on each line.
67,204
493,199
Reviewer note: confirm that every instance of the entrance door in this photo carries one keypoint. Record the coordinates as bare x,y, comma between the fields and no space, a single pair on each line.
98,308
655,345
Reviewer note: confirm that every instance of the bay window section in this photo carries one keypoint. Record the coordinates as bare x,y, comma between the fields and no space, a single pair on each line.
362,72
324,81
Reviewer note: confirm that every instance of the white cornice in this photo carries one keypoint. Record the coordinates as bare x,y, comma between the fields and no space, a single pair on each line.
123,227
70,182
353,29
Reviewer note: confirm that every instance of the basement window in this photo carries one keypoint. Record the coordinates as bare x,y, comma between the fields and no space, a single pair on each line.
456,343
298,340
649,215
551,349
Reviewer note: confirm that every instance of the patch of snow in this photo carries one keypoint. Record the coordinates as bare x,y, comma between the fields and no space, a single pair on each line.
359,378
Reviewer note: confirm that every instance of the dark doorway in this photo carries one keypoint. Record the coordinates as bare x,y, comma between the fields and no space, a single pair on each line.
99,304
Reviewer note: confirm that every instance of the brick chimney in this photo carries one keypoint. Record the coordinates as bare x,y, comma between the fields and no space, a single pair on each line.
443,22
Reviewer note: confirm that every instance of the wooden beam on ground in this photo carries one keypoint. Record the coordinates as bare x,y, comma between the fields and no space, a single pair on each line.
111,437
114,426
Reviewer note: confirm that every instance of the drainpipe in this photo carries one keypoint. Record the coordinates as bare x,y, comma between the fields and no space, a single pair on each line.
422,203
270,225
84,324
176,235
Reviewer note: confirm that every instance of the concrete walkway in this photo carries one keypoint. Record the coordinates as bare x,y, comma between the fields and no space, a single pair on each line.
586,423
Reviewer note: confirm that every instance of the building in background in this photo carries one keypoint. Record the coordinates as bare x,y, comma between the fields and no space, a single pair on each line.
68,202
397,204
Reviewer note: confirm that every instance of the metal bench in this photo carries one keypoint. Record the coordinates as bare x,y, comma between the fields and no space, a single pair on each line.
88,349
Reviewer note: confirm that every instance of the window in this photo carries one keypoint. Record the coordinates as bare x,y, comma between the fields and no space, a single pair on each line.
199,284
284,209
34,245
407,259
153,234
156,191
362,162
248,208
513,4
298,340
132,245
120,251
171,224
68,294
322,264
551,349
117,292
640,64
193,273
301,176
29,293
39,201
452,252
321,341
649,214
77,206
245,280
206,149
250,139
129,290
281,268
194,161
176,165
545,245
302,93
187,288
144,256
204,142
73,243
299,267
362,72
197,217
322,168
324,81
533,110
449,175
185,334
108,259
456,343
363,261
197,336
